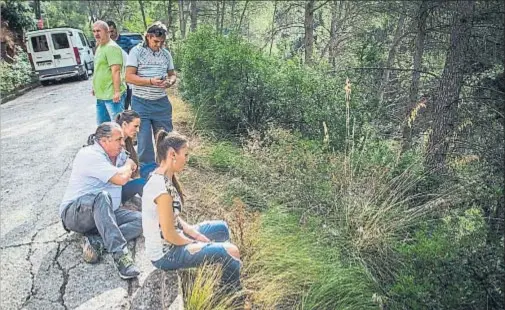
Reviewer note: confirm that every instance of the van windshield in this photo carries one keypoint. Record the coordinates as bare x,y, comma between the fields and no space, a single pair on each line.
39,43
60,41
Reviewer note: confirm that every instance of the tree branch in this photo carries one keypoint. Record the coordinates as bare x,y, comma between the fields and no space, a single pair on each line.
320,6
385,68
243,13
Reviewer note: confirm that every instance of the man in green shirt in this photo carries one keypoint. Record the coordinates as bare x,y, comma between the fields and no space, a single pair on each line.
109,86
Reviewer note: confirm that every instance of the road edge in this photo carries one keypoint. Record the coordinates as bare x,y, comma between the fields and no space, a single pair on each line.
18,93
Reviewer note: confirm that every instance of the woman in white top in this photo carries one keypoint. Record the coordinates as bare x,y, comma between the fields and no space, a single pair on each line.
170,242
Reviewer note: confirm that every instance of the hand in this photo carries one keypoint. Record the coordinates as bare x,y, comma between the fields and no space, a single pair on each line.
202,238
157,82
116,97
93,92
132,164
169,82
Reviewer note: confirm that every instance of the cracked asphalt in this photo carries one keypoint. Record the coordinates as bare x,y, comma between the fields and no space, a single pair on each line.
41,265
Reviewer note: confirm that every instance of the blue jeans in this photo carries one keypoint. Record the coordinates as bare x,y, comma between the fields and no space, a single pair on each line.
154,115
146,169
106,110
178,257
131,188
93,214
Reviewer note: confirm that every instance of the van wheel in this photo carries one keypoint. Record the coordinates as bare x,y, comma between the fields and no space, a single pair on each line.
85,75
45,83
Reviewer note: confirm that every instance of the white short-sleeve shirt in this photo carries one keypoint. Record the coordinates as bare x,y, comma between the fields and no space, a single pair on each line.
155,187
91,172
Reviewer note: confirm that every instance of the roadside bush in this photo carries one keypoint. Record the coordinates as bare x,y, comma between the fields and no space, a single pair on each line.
234,83
16,74
366,210
224,76
331,239
452,266
330,187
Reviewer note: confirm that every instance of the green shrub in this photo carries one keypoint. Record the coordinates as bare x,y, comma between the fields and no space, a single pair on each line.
224,157
347,196
223,76
451,265
234,83
254,198
16,74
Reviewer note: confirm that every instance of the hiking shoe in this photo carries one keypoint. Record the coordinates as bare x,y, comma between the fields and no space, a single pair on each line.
125,266
92,249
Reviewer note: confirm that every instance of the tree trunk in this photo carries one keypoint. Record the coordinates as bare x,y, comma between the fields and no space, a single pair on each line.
119,9
447,95
416,75
223,12
36,6
243,14
143,13
272,36
503,196
309,31
193,15
182,19
391,58
233,3
170,19
92,18
218,16
333,35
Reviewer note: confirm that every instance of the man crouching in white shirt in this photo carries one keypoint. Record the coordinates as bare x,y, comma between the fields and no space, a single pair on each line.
91,202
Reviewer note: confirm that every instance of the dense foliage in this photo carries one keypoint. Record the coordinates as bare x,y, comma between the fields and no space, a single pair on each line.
15,74
362,201
244,89
18,15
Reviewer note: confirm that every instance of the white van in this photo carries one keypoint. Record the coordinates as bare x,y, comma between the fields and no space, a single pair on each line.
58,53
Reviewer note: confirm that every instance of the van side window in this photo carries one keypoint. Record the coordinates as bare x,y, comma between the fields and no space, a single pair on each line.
83,40
87,41
60,41
39,43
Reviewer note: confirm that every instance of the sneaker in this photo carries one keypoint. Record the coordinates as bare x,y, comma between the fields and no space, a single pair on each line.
92,249
125,266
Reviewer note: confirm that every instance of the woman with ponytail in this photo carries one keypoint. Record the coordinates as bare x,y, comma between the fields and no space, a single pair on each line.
182,245
129,121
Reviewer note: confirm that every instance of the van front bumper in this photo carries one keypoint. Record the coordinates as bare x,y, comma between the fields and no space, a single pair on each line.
60,73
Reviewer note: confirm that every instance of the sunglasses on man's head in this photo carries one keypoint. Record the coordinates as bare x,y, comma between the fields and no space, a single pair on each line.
159,32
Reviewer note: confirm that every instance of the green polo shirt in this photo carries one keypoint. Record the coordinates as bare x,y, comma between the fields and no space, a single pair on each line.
106,56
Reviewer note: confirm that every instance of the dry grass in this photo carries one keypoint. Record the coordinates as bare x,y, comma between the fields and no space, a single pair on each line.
181,113
276,270
202,290
204,192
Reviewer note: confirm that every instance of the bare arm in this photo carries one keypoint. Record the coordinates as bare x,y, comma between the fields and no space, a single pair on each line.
133,78
116,77
171,77
166,216
191,231
116,81
124,173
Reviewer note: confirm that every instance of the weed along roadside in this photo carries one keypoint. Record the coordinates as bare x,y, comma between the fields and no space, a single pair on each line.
294,255
327,210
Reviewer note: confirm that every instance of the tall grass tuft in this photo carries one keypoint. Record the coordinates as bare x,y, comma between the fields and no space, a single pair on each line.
292,268
202,290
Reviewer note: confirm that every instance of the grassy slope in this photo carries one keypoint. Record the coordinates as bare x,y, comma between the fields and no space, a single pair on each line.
284,264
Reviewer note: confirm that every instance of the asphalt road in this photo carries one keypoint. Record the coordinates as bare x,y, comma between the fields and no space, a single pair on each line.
41,265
